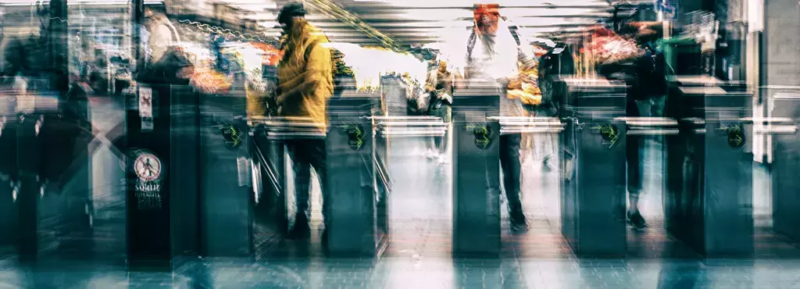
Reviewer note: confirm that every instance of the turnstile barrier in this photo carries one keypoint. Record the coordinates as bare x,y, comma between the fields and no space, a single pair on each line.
593,174
708,204
224,183
352,204
476,173
162,144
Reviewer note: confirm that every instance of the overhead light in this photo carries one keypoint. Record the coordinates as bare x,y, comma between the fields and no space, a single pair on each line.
502,3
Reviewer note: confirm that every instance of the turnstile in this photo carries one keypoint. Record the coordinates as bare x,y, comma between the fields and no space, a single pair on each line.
786,162
350,191
356,204
476,172
593,175
46,200
225,185
163,171
708,204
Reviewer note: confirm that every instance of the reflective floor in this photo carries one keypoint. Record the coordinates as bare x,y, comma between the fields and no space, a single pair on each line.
419,253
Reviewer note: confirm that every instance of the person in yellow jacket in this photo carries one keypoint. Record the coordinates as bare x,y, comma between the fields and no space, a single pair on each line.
305,83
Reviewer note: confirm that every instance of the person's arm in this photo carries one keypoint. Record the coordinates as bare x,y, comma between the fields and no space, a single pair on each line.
159,41
318,72
13,56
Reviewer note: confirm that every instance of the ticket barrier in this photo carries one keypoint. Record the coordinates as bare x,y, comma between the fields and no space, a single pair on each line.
785,163
593,169
476,172
356,204
225,185
162,143
349,191
708,202
45,197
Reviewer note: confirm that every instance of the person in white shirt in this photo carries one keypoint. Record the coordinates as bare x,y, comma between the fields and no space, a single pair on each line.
492,56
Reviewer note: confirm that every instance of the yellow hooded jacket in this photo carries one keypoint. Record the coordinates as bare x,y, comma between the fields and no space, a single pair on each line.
306,82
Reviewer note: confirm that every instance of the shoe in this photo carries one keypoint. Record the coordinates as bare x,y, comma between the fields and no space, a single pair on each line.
519,227
519,223
443,159
431,154
301,227
546,165
636,220
324,238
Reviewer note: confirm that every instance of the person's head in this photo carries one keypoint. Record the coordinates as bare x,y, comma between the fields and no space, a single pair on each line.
486,17
290,14
442,66
153,15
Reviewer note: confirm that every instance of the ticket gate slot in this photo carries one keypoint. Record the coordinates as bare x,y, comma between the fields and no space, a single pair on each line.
708,204
593,166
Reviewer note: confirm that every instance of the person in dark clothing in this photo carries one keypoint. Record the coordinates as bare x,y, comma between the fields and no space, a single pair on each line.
648,94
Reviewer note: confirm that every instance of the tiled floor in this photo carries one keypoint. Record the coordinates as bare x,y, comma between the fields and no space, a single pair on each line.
419,254
405,272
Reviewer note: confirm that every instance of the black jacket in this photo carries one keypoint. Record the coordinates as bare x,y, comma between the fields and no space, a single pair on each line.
651,74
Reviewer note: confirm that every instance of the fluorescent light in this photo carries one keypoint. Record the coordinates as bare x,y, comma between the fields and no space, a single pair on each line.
502,3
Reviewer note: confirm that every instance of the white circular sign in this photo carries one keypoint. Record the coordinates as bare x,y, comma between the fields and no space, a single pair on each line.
147,167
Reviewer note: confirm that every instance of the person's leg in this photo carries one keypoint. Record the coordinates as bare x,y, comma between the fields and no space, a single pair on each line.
510,163
636,167
302,182
659,102
317,158
443,142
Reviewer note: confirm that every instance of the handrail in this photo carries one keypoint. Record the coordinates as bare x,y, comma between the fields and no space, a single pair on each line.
504,131
265,163
648,121
653,132
413,133
768,120
295,134
775,130
407,124
382,175
422,117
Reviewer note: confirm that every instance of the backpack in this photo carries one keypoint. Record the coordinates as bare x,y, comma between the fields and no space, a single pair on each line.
165,70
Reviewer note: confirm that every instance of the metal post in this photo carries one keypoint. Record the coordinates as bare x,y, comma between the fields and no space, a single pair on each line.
593,166
476,173
710,197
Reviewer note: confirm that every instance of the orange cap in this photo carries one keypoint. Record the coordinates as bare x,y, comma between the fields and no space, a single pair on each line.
486,9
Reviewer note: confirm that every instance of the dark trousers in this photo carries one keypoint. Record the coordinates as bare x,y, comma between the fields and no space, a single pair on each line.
445,111
512,171
306,154
635,151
